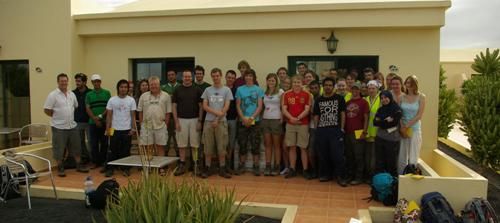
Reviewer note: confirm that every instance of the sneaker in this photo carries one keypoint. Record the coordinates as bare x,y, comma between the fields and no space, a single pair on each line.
223,173
341,182
291,173
109,173
285,171
355,182
81,168
256,170
60,171
324,179
267,171
181,169
126,172
275,171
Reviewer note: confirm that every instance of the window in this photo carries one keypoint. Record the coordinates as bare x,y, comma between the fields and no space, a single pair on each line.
145,68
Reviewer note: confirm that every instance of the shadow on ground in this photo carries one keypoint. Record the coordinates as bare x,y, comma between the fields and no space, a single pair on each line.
48,210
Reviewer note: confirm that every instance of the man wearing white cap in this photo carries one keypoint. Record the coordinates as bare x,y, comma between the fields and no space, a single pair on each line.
96,102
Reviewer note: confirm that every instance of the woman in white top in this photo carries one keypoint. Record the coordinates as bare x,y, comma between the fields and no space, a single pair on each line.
271,124
397,88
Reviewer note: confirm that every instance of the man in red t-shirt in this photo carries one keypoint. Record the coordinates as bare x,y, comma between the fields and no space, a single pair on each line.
296,105
356,125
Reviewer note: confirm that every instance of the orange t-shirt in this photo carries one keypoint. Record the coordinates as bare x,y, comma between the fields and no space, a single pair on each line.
296,104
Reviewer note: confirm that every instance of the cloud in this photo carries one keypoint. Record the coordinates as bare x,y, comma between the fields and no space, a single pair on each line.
472,24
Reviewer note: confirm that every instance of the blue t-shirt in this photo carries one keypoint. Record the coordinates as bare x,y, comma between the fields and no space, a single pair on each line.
249,97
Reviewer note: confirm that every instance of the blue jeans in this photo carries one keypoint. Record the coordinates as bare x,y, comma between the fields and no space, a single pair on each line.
98,143
330,149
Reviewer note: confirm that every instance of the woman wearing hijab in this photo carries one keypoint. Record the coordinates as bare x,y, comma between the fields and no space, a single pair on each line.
388,138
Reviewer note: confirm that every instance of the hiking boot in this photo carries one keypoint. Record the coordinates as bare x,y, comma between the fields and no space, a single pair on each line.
291,173
109,172
341,182
81,168
223,173
355,182
256,170
60,171
205,172
275,171
306,174
267,171
181,169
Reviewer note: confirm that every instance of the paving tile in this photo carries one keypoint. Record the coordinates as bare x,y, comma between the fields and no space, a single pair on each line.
310,219
312,211
314,202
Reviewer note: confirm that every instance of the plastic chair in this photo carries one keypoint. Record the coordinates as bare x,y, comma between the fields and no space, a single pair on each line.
19,172
37,133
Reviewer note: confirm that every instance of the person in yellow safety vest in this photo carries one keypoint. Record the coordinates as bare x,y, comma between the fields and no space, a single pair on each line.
373,100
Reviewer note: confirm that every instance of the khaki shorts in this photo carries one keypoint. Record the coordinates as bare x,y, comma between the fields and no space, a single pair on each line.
153,136
297,135
215,139
271,126
188,134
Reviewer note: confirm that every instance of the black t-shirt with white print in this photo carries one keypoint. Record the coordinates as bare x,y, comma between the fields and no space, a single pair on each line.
329,109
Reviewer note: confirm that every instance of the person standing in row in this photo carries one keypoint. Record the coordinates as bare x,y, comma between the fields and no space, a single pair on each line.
387,140
329,114
154,115
81,116
216,100
356,122
232,120
120,125
373,100
187,111
249,105
271,125
169,88
60,106
296,105
413,105
96,102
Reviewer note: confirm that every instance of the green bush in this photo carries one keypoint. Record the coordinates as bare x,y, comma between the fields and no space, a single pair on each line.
160,199
480,116
448,107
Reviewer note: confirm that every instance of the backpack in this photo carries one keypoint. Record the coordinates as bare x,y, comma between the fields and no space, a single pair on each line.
108,189
479,210
8,190
406,212
412,169
436,209
384,188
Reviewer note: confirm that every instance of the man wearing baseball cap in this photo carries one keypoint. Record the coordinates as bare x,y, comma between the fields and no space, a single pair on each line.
96,102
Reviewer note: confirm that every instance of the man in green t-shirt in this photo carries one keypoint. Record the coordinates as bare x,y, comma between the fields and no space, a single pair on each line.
170,87
96,102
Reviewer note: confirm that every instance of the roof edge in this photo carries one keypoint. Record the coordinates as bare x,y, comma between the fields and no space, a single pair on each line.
270,8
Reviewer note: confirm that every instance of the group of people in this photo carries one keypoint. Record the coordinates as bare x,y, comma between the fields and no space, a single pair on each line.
344,126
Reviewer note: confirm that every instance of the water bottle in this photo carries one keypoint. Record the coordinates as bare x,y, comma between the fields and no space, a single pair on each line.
88,188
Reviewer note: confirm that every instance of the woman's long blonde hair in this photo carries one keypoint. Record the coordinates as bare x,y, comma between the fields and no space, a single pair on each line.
276,87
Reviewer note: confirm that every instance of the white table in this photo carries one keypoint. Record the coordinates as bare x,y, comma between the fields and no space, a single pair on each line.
7,130
135,160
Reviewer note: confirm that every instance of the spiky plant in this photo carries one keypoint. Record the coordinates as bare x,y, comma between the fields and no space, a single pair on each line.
448,107
480,115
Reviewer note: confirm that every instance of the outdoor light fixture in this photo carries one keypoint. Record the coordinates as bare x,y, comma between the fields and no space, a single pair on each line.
331,43
38,69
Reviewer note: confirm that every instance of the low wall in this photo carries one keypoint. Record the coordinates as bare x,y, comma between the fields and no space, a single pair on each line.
42,149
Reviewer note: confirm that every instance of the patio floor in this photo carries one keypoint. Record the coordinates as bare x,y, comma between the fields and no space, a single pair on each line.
317,202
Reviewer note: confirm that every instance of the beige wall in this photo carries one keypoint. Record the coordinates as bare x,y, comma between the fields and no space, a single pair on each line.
37,31
414,51
455,73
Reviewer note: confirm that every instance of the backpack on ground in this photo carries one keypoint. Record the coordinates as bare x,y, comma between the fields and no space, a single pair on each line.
8,190
479,210
406,211
384,189
436,209
412,169
108,189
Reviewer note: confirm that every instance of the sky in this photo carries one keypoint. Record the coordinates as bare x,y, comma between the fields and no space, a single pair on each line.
472,24
469,23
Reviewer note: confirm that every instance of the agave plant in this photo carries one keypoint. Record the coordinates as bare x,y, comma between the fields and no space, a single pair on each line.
157,199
